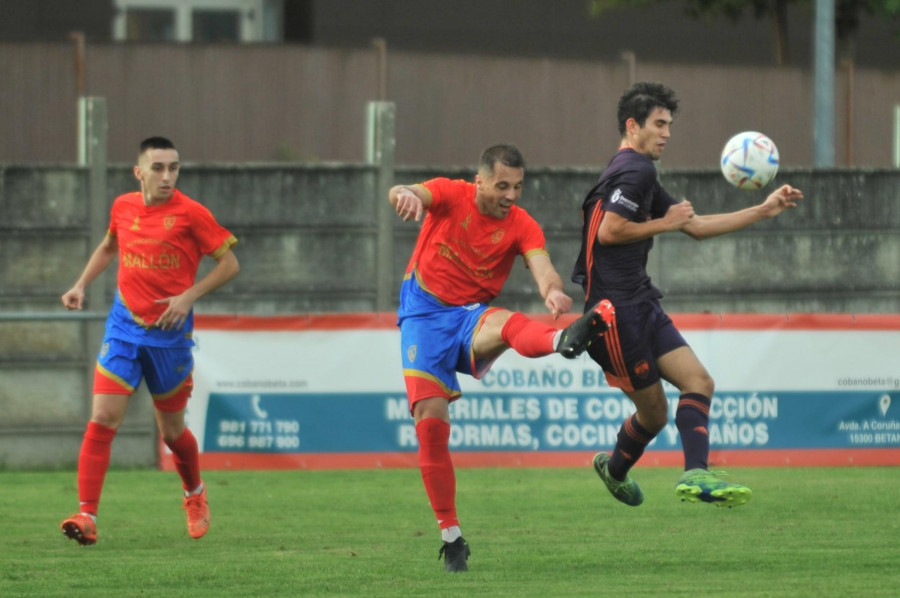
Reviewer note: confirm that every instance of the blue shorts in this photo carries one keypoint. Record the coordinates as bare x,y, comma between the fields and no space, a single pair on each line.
121,365
640,335
436,342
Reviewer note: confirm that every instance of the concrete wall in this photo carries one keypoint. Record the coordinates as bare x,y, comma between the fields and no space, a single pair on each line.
308,243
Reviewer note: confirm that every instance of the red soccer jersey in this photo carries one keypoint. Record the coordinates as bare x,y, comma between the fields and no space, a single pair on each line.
160,247
463,256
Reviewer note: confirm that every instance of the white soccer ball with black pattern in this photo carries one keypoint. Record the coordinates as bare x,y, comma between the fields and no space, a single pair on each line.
749,160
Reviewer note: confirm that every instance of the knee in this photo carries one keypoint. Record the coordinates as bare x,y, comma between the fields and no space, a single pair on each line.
706,385
435,407
170,428
106,420
657,422
170,436
701,383
107,417
654,418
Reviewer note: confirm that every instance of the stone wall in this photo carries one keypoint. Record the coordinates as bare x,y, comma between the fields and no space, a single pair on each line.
308,244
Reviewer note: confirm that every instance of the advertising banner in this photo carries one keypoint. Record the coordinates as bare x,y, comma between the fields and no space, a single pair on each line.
328,392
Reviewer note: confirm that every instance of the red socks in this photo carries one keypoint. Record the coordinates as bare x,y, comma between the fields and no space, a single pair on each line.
186,456
528,337
93,462
437,469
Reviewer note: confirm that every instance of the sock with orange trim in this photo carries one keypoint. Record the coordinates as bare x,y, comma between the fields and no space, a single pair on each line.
529,337
631,442
186,457
437,469
692,420
93,463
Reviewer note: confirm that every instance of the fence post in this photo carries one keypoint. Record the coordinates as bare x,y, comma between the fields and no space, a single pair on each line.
93,153
896,135
92,145
380,142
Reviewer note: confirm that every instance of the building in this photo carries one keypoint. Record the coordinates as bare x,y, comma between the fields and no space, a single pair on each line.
657,32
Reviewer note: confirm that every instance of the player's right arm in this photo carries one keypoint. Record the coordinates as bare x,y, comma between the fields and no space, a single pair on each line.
410,201
99,260
616,229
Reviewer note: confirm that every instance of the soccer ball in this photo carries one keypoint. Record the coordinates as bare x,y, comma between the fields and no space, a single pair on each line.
749,160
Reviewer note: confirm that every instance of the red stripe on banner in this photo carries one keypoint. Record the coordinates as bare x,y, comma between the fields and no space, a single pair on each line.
214,461
739,458
358,321
787,321
805,457
388,320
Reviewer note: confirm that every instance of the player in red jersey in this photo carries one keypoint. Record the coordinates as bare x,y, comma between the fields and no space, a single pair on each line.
470,238
159,235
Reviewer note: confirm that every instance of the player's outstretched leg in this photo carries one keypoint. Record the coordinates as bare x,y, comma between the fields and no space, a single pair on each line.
197,513
626,491
455,555
80,527
578,336
700,485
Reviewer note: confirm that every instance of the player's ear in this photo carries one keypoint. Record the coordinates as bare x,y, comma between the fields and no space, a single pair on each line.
631,125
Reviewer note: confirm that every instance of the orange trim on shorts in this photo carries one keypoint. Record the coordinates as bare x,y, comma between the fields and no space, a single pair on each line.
619,377
422,385
107,383
176,399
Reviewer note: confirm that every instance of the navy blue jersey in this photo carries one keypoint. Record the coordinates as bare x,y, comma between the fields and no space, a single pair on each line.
629,187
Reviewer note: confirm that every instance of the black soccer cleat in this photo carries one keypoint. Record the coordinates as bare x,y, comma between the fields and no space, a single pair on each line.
579,335
455,555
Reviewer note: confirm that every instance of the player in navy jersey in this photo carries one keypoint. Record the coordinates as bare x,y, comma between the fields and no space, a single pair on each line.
621,214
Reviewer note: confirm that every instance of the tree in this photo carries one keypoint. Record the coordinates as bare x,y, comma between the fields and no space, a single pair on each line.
847,16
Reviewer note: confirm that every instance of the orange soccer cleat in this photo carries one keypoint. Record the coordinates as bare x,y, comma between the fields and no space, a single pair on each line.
197,514
80,527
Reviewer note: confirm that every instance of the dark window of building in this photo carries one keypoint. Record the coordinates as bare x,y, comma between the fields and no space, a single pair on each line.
150,25
215,26
298,21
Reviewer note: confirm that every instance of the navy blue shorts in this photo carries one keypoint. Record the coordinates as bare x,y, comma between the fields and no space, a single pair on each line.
640,335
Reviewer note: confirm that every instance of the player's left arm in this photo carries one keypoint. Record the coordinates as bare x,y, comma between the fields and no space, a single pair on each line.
712,225
549,283
179,306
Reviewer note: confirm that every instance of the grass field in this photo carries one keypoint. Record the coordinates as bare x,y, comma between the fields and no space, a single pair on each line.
533,532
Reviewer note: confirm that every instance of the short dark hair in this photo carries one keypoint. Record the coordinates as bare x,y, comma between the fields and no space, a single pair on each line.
504,153
641,99
155,143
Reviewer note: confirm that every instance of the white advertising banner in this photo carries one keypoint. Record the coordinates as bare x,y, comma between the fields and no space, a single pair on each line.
328,391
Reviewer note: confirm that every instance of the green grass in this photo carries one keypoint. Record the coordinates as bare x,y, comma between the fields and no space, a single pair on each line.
533,532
